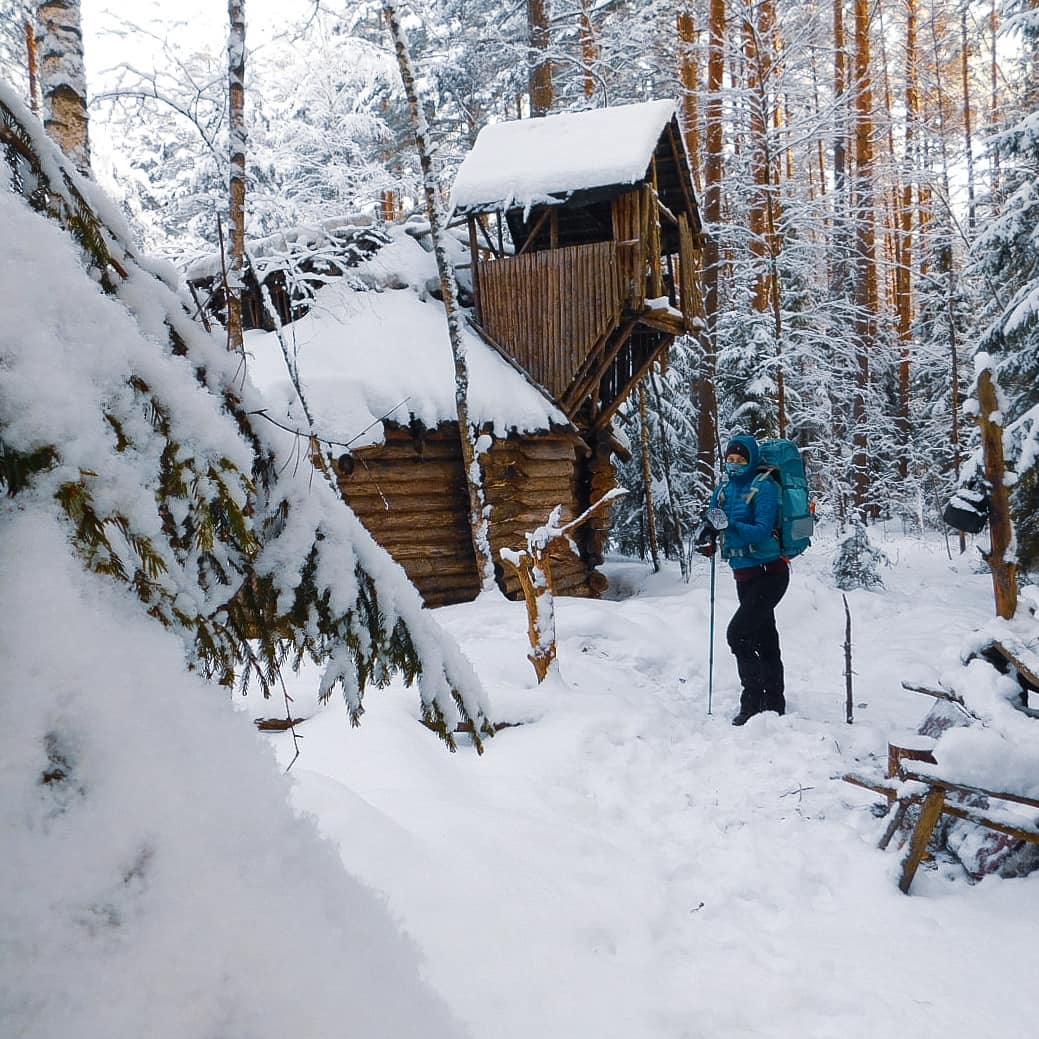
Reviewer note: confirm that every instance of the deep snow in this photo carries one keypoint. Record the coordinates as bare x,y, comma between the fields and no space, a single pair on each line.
623,865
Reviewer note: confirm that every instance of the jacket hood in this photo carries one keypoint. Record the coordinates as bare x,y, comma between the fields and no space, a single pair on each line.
752,450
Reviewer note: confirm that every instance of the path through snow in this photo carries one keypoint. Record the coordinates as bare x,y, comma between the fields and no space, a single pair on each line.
624,865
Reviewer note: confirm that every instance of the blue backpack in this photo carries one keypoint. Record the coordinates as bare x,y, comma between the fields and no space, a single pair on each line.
781,460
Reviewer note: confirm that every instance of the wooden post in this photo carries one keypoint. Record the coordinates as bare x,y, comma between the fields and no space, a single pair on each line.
474,256
849,698
1001,528
929,816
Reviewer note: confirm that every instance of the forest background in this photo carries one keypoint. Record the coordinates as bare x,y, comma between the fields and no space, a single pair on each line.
868,175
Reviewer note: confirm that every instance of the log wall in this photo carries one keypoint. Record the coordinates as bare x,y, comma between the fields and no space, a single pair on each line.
410,494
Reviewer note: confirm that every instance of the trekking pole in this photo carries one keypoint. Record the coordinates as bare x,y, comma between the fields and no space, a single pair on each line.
714,520
710,651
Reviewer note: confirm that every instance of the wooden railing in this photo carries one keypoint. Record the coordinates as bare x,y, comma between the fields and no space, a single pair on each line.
550,308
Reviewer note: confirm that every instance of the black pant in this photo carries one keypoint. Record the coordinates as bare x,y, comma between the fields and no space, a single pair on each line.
754,641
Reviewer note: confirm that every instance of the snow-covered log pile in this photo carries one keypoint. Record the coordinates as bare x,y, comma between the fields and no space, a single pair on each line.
284,271
985,740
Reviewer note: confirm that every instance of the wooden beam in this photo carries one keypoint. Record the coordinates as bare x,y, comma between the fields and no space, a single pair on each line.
538,224
930,813
663,321
682,165
946,784
938,694
611,352
611,409
475,255
487,238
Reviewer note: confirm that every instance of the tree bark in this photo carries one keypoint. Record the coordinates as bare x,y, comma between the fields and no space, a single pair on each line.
236,145
865,254
32,66
63,81
1000,559
904,281
688,75
478,520
968,138
539,83
707,429
647,478
589,50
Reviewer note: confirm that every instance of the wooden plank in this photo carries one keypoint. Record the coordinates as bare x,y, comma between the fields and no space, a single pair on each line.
475,254
930,813
946,784
938,694
972,815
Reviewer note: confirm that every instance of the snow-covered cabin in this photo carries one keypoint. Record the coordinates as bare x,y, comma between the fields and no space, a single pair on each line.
583,255
586,240
376,367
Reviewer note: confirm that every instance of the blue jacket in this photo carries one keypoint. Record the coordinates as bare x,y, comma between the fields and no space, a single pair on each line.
749,540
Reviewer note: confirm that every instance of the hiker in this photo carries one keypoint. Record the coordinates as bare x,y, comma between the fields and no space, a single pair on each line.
750,500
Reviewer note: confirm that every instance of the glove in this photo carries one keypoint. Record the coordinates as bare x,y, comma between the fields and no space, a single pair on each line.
706,538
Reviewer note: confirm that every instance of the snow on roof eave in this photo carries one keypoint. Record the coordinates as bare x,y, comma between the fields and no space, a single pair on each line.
555,198
536,161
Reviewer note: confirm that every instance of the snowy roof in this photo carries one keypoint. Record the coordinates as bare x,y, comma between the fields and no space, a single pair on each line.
535,161
334,231
384,353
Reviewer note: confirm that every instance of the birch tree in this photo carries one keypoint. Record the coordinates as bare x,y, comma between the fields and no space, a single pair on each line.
236,156
478,509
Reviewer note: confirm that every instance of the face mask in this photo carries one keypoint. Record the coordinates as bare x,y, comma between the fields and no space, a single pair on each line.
736,468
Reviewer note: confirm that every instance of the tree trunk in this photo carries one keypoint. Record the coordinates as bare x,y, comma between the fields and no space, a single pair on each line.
589,50
63,81
539,82
689,77
478,523
904,282
865,254
32,67
236,210
840,153
1004,568
647,477
672,498
967,134
707,429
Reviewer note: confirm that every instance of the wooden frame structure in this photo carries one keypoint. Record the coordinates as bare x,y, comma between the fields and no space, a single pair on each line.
597,284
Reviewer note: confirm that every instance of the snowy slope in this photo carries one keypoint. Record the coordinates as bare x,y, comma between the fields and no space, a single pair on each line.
637,869
157,882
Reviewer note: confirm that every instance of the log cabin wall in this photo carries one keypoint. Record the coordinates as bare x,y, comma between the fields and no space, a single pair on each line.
409,492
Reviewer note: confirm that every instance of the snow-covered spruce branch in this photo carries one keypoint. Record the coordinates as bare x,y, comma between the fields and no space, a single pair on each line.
147,447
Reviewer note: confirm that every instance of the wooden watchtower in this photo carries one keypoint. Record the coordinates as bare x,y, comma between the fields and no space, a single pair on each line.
586,240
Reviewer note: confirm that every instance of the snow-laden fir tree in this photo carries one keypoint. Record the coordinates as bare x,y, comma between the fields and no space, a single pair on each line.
154,450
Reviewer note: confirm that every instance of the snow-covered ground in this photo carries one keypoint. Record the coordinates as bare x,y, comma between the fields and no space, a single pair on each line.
624,865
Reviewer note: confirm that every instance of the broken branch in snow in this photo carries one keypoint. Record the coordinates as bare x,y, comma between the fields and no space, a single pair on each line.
534,571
